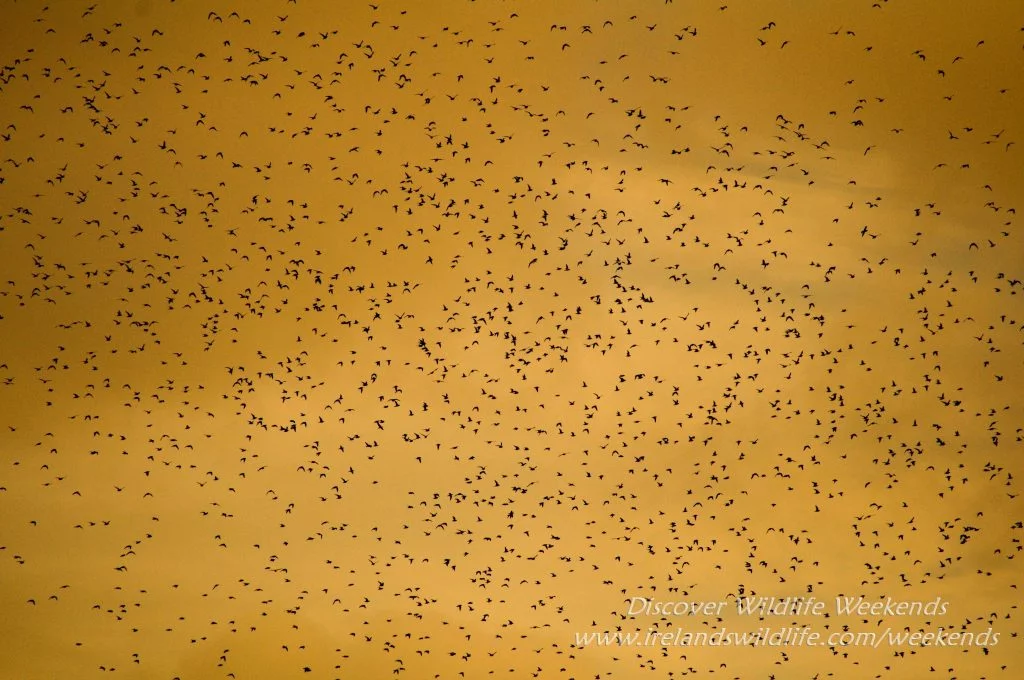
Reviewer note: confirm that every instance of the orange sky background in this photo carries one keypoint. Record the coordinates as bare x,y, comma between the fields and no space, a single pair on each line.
412,339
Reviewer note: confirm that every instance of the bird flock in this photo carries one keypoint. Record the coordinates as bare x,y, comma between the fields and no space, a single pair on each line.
349,340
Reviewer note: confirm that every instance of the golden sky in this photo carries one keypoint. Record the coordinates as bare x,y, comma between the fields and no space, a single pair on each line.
417,339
